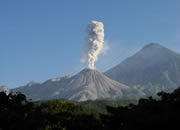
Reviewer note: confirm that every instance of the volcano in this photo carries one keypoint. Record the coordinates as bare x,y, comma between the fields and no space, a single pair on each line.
89,84
152,69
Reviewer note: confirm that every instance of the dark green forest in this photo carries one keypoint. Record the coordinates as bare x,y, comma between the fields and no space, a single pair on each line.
19,113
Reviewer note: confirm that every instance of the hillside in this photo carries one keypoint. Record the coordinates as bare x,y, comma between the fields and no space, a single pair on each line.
154,68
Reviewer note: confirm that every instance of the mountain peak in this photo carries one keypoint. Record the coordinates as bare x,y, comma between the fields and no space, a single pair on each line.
153,45
155,52
87,70
154,67
88,84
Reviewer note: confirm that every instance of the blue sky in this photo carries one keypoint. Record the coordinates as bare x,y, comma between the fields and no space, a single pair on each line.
42,39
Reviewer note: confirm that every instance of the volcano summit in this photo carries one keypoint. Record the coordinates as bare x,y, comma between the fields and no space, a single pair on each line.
89,84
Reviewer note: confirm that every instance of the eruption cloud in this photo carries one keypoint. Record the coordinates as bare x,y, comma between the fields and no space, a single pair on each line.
94,43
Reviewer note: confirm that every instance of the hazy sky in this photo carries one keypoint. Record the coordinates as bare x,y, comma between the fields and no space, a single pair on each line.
42,39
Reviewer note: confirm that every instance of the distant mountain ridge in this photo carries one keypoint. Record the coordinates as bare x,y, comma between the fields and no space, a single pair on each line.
154,68
86,85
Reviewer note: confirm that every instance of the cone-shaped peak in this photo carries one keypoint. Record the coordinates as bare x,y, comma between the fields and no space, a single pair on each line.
155,51
88,70
154,67
154,47
153,44
90,73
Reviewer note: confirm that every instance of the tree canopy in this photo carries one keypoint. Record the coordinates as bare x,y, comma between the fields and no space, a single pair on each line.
18,113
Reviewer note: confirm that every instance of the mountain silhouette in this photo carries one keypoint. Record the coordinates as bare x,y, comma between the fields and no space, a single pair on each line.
152,69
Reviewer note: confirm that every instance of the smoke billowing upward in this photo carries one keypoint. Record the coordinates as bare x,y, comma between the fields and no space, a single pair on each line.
94,43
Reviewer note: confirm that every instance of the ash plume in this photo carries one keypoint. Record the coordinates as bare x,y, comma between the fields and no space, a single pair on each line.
94,43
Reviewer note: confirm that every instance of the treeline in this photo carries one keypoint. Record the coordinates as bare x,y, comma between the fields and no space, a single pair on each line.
17,113
101,104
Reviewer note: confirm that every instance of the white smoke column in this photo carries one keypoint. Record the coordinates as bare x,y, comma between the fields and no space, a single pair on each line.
94,43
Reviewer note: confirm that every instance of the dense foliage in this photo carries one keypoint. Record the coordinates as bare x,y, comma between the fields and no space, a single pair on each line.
148,114
100,105
17,113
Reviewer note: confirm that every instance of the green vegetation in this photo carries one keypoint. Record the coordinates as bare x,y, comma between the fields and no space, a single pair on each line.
100,105
17,113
